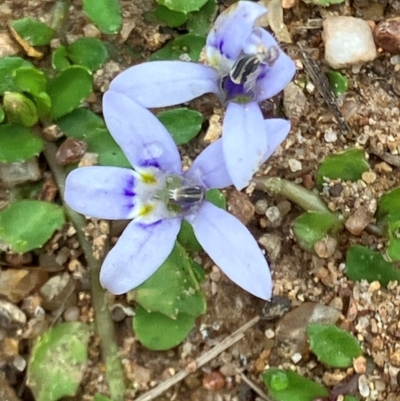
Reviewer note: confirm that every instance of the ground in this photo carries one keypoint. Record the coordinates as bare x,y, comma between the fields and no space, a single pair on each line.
371,109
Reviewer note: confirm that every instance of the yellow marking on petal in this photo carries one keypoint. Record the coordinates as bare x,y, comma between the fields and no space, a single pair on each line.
145,210
148,177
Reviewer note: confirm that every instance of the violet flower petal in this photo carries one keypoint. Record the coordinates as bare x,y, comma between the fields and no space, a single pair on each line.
233,249
102,192
277,129
209,168
229,34
139,252
143,138
244,141
273,79
166,83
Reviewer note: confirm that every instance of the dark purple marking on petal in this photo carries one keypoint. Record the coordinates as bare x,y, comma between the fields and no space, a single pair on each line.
144,225
236,92
149,163
128,191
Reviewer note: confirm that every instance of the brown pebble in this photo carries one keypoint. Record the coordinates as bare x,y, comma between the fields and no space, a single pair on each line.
360,365
70,151
358,221
335,190
387,35
214,381
241,207
326,247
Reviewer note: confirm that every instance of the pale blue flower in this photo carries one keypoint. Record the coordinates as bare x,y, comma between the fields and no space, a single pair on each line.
157,195
246,67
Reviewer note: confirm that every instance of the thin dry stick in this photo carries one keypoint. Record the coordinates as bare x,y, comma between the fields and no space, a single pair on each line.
253,386
207,357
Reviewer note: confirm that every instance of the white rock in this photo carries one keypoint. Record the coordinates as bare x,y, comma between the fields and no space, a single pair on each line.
348,41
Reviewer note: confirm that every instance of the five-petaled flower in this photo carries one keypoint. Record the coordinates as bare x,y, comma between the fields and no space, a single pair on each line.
157,195
246,67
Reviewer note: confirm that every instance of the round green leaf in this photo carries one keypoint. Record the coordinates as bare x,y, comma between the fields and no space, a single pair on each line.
200,22
101,397
187,238
58,361
312,227
69,89
364,264
30,80
188,45
217,198
84,124
285,385
172,289
158,332
20,109
8,66
339,83
29,224
34,32
333,346
89,52
105,14
2,115
43,104
184,6
348,165
59,59
389,207
17,143
169,17
182,123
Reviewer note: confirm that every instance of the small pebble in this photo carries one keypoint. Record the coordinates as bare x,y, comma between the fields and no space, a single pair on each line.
214,381
387,35
71,314
296,357
363,387
261,207
70,151
325,247
330,136
274,215
341,52
369,177
269,333
294,165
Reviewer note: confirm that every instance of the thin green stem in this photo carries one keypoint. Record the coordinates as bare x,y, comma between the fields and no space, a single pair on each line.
307,200
59,19
104,323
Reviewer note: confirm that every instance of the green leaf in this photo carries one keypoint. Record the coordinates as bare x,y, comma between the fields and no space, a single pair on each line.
187,238
20,109
89,52
312,227
158,332
30,80
189,45
350,398
216,197
285,385
29,224
389,207
172,289
105,14
17,143
184,6
339,83
393,249
59,59
84,124
58,361
34,32
8,66
323,3
200,22
169,17
348,165
43,104
2,115
364,264
182,123
333,346
69,89
101,397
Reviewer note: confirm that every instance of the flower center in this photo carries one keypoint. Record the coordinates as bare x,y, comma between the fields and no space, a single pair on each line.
240,85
